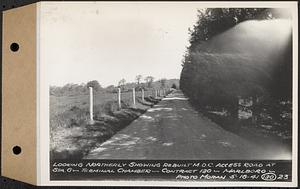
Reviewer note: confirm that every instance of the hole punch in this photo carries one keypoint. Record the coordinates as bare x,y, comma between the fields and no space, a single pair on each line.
14,47
17,150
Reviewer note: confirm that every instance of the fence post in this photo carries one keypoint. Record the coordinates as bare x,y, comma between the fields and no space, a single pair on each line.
133,96
143,95
155,93
119,98
91,105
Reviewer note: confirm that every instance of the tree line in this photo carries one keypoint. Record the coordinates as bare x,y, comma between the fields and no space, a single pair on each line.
71,89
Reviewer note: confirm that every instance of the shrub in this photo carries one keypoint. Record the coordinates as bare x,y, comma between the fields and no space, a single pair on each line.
69,118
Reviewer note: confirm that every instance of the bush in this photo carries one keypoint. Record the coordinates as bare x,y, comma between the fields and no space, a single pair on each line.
72,117
106,108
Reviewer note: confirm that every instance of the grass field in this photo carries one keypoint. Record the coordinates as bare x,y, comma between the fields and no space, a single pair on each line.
72,135
59,104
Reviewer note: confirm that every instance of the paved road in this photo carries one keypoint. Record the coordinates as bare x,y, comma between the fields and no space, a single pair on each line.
173,130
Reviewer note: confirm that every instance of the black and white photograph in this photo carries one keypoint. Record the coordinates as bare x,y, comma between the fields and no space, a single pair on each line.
168,82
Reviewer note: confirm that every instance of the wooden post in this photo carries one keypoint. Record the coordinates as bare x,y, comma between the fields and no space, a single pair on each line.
133,96
91,105
119,98
143,95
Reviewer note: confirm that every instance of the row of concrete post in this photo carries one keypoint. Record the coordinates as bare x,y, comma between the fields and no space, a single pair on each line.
157,94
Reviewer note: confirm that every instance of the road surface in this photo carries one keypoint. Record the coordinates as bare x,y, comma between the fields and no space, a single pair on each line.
172,129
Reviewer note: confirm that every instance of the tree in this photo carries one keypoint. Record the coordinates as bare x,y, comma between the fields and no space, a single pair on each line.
149,80
215,78
111,89
138,79
212,21
122,83
163,82
174,86
94,84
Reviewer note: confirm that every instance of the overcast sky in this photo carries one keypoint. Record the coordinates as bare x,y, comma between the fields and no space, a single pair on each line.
111,41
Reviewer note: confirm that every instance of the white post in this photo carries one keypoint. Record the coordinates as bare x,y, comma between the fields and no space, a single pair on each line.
119,98
91,105
155,93
133,96
143,95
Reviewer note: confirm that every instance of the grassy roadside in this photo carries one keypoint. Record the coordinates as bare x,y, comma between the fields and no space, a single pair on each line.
72,136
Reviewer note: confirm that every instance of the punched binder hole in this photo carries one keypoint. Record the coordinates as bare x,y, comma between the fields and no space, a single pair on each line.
17,150
14,47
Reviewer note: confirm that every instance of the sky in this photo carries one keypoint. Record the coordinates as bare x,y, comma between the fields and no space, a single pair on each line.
110,41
